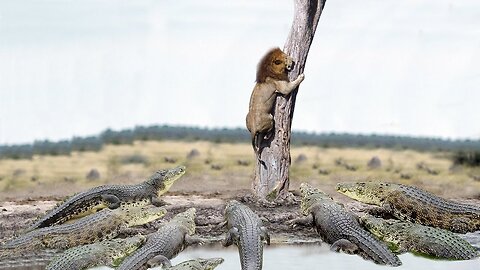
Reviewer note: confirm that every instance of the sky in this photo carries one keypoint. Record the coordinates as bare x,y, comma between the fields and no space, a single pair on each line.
75,68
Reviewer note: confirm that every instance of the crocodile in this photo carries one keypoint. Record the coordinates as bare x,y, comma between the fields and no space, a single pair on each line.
103,225
107,253
197,264
164,244
246,231
340,228
111,196
415,205
406,236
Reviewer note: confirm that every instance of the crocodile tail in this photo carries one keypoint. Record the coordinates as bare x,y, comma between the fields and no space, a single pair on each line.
137,260
374,250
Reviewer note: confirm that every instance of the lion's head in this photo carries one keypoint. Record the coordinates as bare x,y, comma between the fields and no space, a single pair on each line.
275,64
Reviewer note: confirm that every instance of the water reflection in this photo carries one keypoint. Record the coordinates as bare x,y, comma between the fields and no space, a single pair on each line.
288,257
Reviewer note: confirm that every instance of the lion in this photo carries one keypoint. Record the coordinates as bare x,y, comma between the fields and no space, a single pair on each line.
272,79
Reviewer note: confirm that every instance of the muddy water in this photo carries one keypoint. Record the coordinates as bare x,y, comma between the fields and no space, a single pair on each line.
303,257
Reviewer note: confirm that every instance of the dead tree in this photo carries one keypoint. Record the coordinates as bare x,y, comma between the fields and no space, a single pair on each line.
271,178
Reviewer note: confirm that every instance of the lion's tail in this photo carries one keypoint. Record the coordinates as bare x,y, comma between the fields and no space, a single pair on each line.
257,145
256,141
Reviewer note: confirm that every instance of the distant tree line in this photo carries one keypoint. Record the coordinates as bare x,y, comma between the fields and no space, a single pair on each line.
468,148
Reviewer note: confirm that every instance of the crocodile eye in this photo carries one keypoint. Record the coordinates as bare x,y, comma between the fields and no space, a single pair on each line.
278,62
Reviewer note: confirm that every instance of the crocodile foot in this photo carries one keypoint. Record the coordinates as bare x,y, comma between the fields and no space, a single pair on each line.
345,246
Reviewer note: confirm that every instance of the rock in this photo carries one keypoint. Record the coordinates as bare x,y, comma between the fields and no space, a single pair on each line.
216,167
475,177
405,176
170,159
423,166
374,163
193,154
301,158
323,171
93,174
351,167
339,162
243,162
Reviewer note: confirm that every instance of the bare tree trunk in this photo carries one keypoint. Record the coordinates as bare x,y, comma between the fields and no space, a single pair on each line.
271,178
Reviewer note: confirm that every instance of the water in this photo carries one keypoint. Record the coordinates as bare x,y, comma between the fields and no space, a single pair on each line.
294,257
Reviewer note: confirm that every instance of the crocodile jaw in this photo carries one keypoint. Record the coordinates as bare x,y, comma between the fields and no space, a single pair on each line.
364,192
210,264
163,180
375,225
142,215
311,196
129,245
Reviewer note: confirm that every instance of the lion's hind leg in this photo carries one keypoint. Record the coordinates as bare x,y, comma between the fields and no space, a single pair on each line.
264,130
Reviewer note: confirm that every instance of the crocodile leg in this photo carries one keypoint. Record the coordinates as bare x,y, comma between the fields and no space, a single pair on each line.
345,246
221,225
157,201
264,235
232,234
302,221
112,200
159,260
191,240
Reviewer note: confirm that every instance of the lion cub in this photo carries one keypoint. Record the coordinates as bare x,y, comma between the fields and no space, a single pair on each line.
272,78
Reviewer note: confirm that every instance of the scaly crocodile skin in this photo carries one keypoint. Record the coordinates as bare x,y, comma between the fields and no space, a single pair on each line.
197,264
106,253
168,241
334,224
87,202
246,230
407,236
103,225
416,205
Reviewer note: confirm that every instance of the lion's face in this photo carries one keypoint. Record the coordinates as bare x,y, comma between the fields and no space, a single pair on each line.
281,63
276,65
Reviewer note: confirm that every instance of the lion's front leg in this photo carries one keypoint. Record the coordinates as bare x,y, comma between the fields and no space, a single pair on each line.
286,87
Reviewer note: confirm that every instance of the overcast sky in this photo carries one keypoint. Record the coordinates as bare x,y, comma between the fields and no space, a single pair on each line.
75,68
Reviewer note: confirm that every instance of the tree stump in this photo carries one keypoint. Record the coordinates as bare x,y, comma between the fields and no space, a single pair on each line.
271,180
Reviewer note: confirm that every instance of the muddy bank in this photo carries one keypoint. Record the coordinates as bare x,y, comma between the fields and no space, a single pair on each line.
17,215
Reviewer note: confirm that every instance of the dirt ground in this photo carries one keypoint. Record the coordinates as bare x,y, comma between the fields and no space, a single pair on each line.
17,215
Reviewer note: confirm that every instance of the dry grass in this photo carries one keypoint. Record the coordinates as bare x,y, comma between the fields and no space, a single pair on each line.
59,176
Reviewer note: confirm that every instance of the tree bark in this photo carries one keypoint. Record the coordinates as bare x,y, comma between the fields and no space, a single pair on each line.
271,175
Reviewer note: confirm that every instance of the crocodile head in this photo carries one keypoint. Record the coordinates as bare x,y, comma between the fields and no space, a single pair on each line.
311,196
162,180
140,215
377,226
385,229
367,192
124,247
210,264
186,219
232,204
